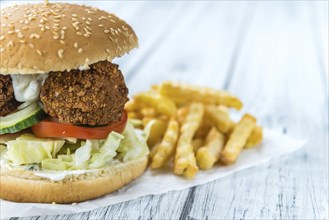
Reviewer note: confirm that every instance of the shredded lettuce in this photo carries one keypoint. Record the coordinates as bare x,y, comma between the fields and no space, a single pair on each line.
27,149
52,154
133,145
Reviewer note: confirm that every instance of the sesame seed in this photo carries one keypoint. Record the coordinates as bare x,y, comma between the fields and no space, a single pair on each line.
31,45
90,19
106,31
79,33
87,60
39,52
76,45
62,42
22,41
25,28
56,37
60,53
11,32
10,44
20,35
86,35
100,25
37,36
80,50
74,15
87,22
64,28
2,37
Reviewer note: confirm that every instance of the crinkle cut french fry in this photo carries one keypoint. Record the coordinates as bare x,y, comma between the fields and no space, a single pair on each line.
197,143
132,105
218,118
185,162
160,103
167,146
182,113
155,129
203,130
209,154
224,109
134,115
148,112
184,93
255,138
238,139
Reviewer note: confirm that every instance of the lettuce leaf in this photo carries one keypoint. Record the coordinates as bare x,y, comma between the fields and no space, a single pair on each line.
91,154
28,149
133,145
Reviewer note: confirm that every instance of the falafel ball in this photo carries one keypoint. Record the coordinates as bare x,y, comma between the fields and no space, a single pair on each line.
8,102
86,97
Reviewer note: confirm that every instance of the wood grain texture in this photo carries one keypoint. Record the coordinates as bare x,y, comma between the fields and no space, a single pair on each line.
274,55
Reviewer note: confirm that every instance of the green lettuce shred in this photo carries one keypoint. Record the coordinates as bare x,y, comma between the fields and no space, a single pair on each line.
61,154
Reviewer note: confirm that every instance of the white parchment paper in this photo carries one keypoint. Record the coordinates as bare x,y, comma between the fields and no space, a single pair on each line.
275,144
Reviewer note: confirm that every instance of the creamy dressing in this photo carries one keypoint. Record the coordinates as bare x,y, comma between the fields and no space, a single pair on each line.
27,87
60,175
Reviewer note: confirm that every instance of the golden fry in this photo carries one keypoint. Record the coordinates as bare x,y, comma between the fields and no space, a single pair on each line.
203,130
185,162
184,93
155,129
255,138
238,139
218,118
132,105
209,154
167,147
160,103
134,115
182,113
148,112
196,144
224,109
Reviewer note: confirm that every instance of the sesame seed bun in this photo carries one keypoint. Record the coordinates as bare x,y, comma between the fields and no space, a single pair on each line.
24,186
39,38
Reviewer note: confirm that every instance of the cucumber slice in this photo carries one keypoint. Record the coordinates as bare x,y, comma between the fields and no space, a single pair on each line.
24,118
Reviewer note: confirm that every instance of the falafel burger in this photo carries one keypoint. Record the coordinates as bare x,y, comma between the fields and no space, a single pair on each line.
64,134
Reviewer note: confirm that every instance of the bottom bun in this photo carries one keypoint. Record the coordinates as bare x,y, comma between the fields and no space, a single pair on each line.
24,186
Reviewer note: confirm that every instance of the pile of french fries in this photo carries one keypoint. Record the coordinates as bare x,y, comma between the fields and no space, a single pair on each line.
190,127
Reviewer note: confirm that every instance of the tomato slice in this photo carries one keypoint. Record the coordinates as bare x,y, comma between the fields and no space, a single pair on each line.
51,128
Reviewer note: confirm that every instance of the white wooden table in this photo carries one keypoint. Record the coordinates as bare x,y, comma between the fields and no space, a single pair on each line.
274,56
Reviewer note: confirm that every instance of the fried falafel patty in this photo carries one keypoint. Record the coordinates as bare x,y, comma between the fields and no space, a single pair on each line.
8,102
86,97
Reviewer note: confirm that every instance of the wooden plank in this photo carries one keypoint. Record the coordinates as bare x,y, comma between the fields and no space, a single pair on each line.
289,94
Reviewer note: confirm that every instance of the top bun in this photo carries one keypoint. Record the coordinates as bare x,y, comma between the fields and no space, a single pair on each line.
39,38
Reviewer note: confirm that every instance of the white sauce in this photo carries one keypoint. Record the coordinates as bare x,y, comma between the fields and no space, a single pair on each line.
60,175
27,87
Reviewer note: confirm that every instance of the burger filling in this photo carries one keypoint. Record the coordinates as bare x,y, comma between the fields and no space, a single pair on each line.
76,121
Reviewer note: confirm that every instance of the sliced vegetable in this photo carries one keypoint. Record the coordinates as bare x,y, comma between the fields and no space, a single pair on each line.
52,154
22,119
51,128
108,150
27,149
132,146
